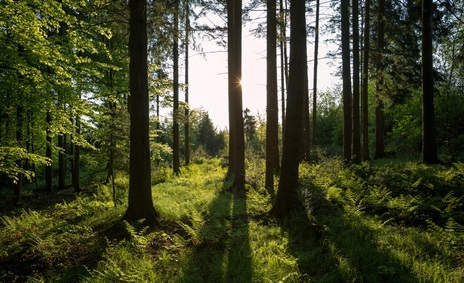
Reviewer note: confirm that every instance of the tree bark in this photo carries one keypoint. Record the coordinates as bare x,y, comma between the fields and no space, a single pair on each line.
429,139
346,74
272,111
48,154
379,108
316,61
236,135
287,196
365,84
187,118
61,162
140,195
19,139
175,128
356,125
76,159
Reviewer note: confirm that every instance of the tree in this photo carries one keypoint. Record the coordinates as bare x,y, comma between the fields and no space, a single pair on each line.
175,128
346,77
187,118
316,54
429,140
236,132
140,196
365,85
356,124
272,111
287,197
379,107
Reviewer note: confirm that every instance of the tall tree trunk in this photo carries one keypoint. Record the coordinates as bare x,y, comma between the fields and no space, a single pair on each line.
356,125
61,162
379,108
365,84
140,195
287,196
236,136
316,61
305,132
175,128
48,154
346,74
187,118
429,139
76,159
283,58
272,111
19,139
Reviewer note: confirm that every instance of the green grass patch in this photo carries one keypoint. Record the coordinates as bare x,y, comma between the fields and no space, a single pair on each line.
375,222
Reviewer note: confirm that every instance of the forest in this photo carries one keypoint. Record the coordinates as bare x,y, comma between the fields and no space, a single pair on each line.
359,182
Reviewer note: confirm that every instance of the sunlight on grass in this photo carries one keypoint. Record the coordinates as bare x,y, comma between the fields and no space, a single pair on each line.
369,222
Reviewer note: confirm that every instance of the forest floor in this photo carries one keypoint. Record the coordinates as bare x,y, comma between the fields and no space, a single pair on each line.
384,221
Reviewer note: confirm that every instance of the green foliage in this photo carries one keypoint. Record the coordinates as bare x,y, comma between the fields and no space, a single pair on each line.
383,221
9,166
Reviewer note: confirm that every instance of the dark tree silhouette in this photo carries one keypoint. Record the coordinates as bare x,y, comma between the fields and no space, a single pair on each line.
272,111
140,197
346,76
429,139
287,197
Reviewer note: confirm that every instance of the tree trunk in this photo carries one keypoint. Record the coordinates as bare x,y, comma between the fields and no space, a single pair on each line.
346,74
48,154
429,139
272,111
356,125
140,195
19,139
365,84
76,159
236,136
305,132
175,128
61,162
379,108
283,58
187,118
316,54
287,196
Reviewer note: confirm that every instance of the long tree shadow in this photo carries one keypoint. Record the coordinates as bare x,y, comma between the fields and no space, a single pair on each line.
222,252
331,246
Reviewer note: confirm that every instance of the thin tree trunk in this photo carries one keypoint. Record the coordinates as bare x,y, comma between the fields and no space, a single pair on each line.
175,128
356,70
429,139
316,60
346,74
283,59
61,162
19,139
305,133
365,85
48,154
76,159
140,194
187,118
272,111
287,197
379,108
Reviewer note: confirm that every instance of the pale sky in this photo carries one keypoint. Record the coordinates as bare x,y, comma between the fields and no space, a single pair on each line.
208,76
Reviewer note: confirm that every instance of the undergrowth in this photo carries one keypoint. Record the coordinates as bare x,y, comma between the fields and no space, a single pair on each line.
374,222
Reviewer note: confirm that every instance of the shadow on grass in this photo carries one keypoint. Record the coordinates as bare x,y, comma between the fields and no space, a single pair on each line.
331,246
223,252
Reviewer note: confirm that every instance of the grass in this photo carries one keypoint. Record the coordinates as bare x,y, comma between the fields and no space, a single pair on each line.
383,221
